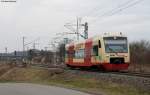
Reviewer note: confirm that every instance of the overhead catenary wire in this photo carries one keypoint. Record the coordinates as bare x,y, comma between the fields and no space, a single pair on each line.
94,10
124,6
112,12
70,26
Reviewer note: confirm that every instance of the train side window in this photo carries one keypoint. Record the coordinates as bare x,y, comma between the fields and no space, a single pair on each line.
99,43
95,50
79,53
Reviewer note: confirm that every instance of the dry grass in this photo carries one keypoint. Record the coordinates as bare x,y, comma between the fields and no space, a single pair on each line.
4,69
41,76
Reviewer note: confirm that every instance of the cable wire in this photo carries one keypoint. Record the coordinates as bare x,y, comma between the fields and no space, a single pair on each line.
118,9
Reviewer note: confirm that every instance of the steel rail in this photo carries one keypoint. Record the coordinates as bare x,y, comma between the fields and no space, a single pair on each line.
96,71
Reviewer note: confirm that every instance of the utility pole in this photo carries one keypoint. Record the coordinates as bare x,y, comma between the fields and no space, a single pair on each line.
23,39
34,45
74,27
77,30
6,50
23,43
23,59
32,42
86,30
78,26
6,54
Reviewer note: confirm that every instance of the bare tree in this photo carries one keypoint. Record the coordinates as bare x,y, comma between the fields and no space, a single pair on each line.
61,52
140,53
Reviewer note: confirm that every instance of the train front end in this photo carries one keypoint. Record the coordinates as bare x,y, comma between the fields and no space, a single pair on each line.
116,53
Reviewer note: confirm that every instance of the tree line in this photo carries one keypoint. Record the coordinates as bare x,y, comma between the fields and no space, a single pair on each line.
140,52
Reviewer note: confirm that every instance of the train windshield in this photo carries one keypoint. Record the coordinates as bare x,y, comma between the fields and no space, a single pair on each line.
116,44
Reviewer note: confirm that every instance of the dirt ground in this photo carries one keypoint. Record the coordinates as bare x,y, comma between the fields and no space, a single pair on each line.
67,80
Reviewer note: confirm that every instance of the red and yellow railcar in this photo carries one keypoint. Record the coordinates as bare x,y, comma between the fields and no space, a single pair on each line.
110,52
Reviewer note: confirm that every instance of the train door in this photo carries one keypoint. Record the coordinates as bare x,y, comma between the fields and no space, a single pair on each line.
99,51
96,52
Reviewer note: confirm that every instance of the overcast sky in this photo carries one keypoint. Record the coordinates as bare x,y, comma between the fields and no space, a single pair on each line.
45,18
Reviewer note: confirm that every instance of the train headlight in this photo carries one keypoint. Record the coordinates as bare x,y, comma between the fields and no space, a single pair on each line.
107,55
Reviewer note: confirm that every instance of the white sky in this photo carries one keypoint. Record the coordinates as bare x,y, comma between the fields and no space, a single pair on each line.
45,18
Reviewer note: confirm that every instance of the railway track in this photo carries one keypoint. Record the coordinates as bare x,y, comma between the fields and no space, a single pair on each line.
136,74
96,71
40,65
140,80
146,75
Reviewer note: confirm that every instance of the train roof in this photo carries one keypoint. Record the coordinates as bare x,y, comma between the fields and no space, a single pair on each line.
113,34
109,34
